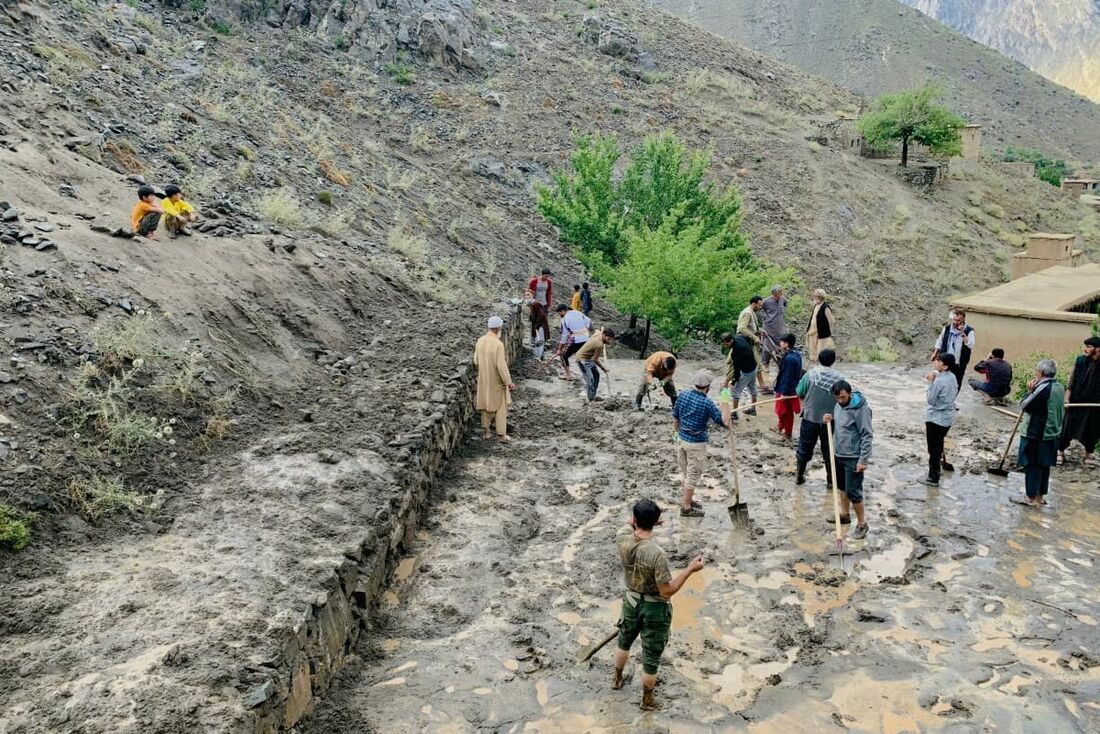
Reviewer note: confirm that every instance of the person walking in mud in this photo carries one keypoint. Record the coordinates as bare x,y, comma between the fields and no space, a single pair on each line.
853,436
1040,430
588,359
540,293
939,415
774,310
494,381
741,369
647,606
748,326
691,417
1083,424
815,389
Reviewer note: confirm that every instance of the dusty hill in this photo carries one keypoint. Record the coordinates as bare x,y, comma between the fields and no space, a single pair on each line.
203,426
877,46
1059,39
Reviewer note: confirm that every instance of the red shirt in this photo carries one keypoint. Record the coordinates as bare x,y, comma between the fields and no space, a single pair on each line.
533,287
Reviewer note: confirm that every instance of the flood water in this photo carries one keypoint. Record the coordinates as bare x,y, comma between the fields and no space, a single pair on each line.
960,612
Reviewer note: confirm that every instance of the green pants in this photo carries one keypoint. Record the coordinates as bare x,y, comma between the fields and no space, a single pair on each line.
653,621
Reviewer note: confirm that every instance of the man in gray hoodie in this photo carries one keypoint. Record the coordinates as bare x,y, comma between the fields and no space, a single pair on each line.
940,413
852,433
816,392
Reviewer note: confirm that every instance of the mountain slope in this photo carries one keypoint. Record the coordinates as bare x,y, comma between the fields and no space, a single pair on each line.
876,46
1060,39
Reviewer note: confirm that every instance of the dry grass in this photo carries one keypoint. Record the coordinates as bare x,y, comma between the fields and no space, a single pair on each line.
407,243
332,173
281,207
124,156
97,496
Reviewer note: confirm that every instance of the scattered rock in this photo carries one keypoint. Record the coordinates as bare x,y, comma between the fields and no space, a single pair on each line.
44,227
493,98
5,378
10,215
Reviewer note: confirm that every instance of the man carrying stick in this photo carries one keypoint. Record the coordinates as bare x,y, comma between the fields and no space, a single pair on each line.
588,359
816,390
1083,424
852,438
646,610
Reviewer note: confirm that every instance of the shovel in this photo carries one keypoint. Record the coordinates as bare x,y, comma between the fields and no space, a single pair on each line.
836,495
1000,470
738,511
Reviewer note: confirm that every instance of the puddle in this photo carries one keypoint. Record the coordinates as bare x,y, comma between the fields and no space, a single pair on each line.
889,563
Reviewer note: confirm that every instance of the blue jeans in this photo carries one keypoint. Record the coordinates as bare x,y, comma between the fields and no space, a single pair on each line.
993,391
591,378
747,381
809,434
849,480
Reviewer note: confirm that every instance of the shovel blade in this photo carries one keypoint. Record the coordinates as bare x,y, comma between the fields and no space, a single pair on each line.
997,471
739,513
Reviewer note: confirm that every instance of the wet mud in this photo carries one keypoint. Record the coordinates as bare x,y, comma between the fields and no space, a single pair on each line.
960,612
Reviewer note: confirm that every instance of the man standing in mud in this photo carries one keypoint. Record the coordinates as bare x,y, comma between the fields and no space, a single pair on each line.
692,415
1083,424
540,291
816,391
647,609
494,382
852,436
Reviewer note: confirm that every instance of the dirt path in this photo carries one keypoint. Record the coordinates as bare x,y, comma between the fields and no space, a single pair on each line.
940,623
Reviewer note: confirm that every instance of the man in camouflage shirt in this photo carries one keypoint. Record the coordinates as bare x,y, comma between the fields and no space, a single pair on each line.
647,610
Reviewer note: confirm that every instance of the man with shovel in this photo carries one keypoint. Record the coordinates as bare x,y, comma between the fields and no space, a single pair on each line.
646,609
816,391
851,420
588,359
691,417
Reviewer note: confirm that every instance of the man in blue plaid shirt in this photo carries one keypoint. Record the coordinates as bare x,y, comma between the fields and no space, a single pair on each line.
691,417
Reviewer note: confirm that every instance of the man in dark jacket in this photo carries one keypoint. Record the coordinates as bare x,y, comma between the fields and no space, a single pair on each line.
741,366
998,376
786,385
1083,424
1044,409
852,436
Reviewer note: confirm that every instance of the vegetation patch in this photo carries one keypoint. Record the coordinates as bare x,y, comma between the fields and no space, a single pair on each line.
15,528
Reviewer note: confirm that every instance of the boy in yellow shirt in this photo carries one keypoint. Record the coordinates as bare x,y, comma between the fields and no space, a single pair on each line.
177,212
145,218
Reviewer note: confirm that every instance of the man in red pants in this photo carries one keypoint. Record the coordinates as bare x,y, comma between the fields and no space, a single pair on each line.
786,385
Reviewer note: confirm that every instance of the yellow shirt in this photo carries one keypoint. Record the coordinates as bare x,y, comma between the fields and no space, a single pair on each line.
176,208
575,304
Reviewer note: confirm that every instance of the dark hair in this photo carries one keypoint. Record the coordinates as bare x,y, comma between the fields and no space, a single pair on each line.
584,285
842,386
960,312
561,307
789,338
1093,341
171,190
546,271
576,287
998,353
670,363
756,299
609,333
144,191
947,359
826,357
646,514
726,337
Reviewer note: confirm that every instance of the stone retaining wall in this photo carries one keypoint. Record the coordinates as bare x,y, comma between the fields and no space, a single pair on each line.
317,646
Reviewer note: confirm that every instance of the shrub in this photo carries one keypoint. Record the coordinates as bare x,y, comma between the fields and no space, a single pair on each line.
1023,371
401,72
281,207
1046,169
404,241
15,528
98,496
325,197
222,28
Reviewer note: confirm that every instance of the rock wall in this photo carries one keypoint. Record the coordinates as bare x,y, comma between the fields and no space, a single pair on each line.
446,31
315,649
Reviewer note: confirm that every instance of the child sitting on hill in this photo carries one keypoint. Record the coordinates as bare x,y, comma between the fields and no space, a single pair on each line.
177,212
147,213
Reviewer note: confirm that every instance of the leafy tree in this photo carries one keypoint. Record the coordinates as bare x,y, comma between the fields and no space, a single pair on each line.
913,116
1046,169
687,282
585,204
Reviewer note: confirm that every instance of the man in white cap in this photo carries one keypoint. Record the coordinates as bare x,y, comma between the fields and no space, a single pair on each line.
691,417
494,381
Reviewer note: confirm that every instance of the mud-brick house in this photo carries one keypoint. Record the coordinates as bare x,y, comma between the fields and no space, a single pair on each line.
1046,250
1077,186
1048,312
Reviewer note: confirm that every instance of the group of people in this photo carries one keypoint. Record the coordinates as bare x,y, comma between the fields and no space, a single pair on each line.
824,399
150,210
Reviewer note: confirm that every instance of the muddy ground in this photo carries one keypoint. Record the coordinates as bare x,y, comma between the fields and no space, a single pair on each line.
960,612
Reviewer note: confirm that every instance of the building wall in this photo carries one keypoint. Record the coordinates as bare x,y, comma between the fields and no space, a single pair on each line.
971,142
1021,337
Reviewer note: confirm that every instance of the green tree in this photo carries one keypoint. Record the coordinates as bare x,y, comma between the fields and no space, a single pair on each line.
913,116
584,203
685,282
1046,169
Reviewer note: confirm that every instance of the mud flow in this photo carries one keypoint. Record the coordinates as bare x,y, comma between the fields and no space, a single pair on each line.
960,612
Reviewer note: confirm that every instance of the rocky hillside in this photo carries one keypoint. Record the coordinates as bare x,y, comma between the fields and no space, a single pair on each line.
1060,39
877,46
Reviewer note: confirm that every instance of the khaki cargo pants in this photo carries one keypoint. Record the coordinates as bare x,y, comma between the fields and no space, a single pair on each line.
692,458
